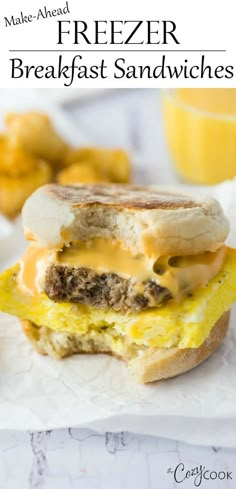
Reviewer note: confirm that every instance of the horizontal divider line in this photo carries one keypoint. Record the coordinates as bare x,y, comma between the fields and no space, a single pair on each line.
117,50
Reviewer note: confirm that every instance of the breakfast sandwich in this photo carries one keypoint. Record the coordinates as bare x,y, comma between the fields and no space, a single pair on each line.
138,272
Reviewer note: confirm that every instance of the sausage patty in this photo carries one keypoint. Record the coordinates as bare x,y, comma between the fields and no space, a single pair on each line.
105,290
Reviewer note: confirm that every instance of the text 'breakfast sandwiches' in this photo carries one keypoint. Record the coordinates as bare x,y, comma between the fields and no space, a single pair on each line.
138,272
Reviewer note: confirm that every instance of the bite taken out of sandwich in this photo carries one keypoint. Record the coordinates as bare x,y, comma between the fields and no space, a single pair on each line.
138,272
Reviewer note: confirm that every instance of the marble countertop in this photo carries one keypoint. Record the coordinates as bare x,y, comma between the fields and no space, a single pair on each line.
76,458
81,459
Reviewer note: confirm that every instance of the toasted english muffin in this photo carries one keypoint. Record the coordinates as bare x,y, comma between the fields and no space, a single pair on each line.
147,219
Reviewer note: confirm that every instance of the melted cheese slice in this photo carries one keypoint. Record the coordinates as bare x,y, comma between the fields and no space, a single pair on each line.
184,325
179,275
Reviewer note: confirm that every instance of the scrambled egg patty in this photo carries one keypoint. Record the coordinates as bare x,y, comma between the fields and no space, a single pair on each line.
185,325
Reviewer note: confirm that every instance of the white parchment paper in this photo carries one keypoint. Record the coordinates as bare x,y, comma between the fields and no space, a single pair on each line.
38,392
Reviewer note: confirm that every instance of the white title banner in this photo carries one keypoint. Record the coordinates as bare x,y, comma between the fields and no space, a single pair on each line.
59,43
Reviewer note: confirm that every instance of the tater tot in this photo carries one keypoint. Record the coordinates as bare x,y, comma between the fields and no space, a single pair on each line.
32,154
112,164
14,190
34,132
14,161
79,173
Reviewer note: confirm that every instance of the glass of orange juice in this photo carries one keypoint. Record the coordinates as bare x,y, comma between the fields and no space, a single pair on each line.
200,126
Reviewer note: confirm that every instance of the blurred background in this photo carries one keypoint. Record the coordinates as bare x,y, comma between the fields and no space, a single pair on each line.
144,136
130,119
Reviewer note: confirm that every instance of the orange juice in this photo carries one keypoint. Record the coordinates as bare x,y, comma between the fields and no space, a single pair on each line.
200,125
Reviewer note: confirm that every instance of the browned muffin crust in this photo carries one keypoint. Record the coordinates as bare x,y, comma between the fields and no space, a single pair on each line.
129,196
